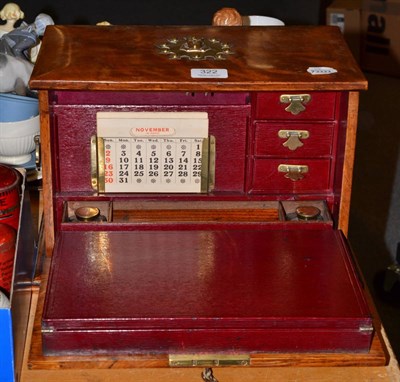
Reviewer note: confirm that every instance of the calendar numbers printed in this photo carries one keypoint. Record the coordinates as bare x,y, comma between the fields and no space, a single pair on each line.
153,161
168,161
109,159
124,162
153,164
152,151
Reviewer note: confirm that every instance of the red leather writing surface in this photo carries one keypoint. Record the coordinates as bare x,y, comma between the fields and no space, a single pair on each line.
174,284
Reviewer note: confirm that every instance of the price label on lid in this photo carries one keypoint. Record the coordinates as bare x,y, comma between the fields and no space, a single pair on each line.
209,73
319,70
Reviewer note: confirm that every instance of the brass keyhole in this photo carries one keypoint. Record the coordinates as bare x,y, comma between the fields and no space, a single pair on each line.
207,375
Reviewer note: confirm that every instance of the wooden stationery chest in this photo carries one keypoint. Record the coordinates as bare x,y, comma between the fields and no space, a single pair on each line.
197,186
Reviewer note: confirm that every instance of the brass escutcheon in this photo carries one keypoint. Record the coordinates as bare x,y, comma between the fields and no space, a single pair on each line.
195,48
296,102
208,376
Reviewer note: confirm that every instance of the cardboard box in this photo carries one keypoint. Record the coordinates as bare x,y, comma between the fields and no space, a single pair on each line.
346,14
380,47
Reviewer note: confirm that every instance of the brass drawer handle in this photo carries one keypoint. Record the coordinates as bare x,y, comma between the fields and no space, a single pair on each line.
296,102
293,172
293,138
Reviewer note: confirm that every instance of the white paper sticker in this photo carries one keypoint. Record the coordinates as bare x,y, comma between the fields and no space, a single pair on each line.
209,73
317,70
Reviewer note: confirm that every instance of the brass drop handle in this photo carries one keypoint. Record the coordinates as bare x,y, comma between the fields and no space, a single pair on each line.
293,137
296,102
293,172
207,375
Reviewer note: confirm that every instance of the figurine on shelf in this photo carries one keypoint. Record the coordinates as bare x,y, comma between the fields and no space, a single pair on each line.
11,13
103,23
231,17
15,64
227,17
18,42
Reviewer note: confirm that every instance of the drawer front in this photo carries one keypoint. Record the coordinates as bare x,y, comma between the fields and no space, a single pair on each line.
293,140
274,176
296,105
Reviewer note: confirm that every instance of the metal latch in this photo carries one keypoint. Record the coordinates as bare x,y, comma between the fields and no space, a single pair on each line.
293,138
208,360
294,172
296,102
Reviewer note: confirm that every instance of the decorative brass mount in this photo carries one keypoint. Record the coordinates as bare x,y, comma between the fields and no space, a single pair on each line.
195,49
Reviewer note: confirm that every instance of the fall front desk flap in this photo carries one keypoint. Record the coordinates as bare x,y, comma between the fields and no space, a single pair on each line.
204,291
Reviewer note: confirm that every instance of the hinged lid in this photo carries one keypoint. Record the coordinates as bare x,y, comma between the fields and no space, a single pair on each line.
130,58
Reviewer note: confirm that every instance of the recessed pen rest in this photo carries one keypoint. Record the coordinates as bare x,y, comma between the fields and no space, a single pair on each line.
153,213
203,215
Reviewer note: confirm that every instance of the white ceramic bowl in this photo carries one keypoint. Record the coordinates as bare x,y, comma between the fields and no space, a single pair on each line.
17,140
261,20
15,108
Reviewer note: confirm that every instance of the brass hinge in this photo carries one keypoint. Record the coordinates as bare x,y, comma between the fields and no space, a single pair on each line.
366,328
50,329
208,360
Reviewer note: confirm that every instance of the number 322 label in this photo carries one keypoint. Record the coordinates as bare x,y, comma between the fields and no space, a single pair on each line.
209,73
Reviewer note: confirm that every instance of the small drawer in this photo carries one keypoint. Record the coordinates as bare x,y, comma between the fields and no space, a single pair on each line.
295,105
293,140
269,176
